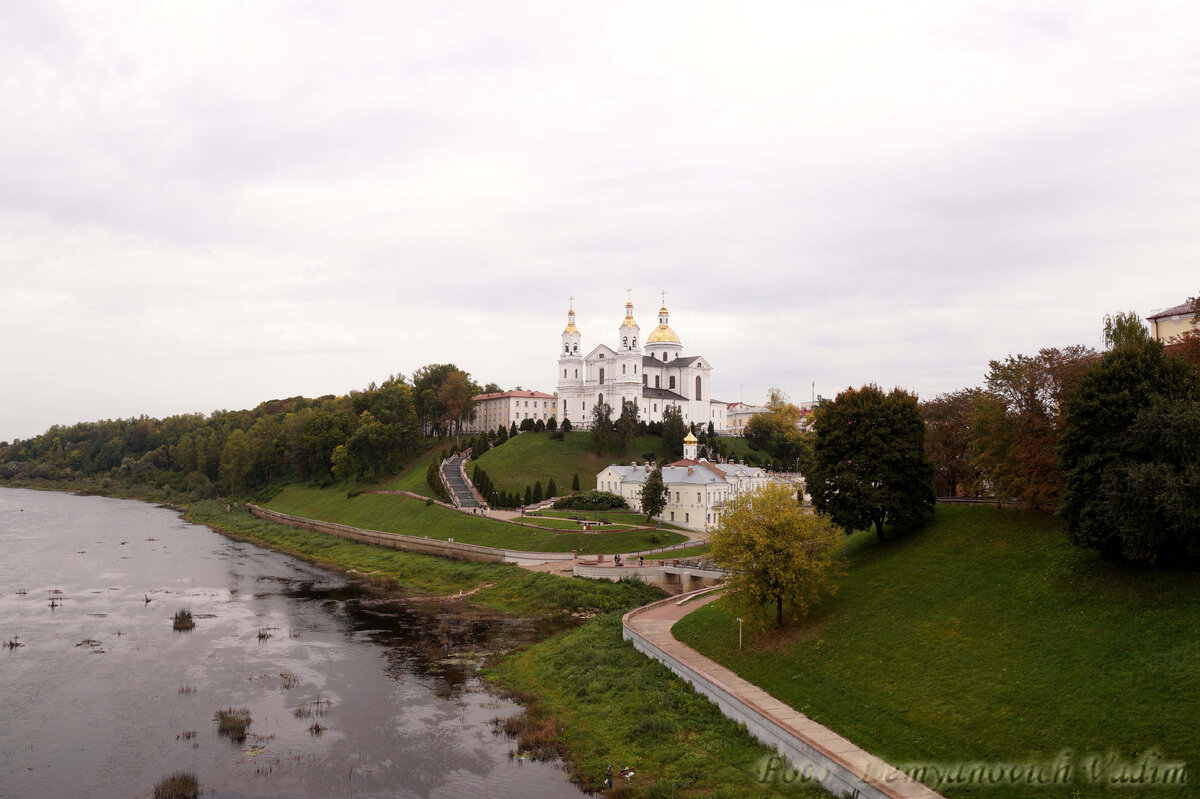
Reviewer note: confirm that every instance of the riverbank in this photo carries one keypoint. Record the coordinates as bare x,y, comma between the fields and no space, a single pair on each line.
590,697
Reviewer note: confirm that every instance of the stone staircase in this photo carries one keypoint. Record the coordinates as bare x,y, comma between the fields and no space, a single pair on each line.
458,485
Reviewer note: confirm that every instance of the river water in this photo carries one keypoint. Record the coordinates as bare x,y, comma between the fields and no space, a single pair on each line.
103,698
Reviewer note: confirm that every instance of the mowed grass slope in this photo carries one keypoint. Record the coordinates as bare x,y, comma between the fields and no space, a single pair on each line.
530,457
390,513
988,637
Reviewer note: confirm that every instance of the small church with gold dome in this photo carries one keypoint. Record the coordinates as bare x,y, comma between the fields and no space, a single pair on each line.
652,372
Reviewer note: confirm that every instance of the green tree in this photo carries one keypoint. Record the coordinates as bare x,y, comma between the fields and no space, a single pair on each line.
777,554
777,430
950,441
528,496
512,430
627,425
602,426
869,461
551,489
674,431
575,482
566,425
551,424
501,435
1130,454
1019,418
654,494
236,462
537,492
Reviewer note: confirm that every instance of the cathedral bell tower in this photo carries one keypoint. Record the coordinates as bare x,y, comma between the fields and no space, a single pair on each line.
570,372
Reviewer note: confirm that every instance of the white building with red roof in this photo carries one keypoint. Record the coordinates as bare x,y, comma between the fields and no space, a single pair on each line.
509,407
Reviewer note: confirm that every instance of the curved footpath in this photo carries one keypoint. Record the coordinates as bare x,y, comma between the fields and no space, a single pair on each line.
817,752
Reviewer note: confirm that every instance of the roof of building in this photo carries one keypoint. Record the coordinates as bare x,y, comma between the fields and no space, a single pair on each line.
520,392
662,393
1185,308
672,475
650,360
690,438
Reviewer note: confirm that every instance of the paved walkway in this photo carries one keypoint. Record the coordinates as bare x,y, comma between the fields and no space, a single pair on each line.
654,623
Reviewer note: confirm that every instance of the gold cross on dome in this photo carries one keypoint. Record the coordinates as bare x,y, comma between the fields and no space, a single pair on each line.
572,299
664,296
629,296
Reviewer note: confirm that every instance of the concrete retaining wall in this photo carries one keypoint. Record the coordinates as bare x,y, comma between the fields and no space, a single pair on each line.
672,579
412,543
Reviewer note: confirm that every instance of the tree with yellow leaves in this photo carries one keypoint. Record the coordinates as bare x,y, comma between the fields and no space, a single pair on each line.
776,553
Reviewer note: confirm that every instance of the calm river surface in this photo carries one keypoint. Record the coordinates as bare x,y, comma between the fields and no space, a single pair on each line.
102,698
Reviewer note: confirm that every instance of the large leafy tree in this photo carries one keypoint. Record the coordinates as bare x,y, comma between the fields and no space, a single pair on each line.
1018,421
949,441
779,557
627,425
602,426
654,494
869,461
674,431
1129,448
777,430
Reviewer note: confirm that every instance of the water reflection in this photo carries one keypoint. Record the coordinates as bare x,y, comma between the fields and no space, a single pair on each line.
103,698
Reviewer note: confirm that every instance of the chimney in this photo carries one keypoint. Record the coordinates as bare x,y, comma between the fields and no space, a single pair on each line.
647,467
633,464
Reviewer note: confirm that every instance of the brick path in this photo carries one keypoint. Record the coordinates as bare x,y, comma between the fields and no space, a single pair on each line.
654,623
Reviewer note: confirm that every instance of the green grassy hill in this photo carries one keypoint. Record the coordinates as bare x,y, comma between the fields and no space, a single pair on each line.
398,514
987,637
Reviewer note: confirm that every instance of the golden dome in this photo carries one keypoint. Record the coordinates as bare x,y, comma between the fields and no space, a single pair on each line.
691,439
662,333
570,328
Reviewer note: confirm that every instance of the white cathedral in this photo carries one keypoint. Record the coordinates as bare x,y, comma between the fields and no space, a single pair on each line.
657,378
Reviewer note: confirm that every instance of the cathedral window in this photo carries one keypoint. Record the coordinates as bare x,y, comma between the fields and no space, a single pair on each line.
564,372
672,386
575,348
635,343
601,374
625,342
576,373
698,388
657,380
645,378
622,368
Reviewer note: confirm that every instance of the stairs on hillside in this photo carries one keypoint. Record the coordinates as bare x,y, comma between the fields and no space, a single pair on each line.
458,485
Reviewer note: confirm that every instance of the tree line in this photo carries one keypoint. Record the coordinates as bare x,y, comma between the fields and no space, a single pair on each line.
362,435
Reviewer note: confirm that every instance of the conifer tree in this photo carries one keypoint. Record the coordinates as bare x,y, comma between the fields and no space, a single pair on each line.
528,495
551,489
537,492
575,482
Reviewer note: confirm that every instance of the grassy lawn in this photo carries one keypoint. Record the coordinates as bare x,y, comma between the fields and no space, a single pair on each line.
530,457
408,516
413,477
987,637
505,587
567,524
611,705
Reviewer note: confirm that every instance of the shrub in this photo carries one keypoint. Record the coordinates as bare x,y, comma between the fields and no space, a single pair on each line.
232,723
591,500
180,785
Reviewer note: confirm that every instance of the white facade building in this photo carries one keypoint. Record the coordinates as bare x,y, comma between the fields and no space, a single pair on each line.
656,377
697,490
507,407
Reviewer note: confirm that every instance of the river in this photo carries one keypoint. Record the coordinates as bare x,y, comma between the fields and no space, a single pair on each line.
102,698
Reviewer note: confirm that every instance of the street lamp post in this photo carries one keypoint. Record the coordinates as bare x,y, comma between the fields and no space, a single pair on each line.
739,632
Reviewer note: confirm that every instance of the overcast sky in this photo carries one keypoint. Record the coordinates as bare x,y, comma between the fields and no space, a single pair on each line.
208,205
